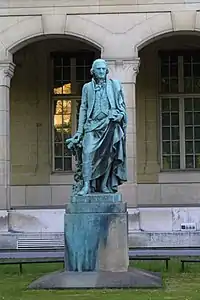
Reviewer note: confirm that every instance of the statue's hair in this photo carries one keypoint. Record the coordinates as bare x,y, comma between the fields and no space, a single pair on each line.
98,61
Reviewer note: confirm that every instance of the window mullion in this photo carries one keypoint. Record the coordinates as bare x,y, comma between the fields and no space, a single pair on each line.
161,139
180,74
181,111
62,132
182,133
73,75
53,137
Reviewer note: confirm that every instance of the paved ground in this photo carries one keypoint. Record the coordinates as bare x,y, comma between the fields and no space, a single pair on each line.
137,252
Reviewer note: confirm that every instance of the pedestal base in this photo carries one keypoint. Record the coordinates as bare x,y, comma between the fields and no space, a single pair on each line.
133,278
96,234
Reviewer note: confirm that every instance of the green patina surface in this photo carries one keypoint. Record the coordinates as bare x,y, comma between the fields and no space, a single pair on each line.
87,221
99,144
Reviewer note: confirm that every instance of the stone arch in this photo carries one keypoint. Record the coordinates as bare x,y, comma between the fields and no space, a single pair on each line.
16,32
158,25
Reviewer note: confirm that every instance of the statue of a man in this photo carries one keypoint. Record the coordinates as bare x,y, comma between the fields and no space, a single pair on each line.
102,133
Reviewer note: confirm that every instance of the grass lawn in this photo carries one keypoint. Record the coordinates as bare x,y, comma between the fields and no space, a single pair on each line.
177,285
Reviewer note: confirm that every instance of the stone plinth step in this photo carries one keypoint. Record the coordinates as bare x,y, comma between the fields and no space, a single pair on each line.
133,278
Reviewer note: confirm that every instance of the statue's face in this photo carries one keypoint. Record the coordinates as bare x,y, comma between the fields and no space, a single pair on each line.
100,70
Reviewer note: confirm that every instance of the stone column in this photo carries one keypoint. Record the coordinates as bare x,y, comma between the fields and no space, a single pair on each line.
6,73
126,71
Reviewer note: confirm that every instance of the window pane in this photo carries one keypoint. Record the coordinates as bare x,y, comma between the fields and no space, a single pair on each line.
57,135
175,105
67,164
57,74
87,73
175,119
66,133
187,58
197,133
67,121
165,70
166,162
79,86
189,162
197,118
165,105
173,85
165,85
67,152
58,88
197,147
188,118
189,147
188,88
67,107
66,73
189,133
187,70
58,149
197,104
174,70
58,164
196,70
195,57
188,104
80,73
166,119
197,161
166,148
175,147
166,133
58,107
175,133
175,162
196,85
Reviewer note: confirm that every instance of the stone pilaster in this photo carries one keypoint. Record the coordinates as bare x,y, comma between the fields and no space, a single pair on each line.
126,71
6,73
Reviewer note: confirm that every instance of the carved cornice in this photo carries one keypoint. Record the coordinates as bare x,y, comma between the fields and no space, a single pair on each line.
6,72
125,70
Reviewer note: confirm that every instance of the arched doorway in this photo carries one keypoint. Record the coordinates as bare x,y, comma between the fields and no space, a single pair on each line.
168,121
44,103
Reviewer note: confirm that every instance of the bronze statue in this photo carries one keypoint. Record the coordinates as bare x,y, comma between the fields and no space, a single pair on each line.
100,141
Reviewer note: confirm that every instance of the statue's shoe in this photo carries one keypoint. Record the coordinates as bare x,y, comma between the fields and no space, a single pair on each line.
84,191
105,190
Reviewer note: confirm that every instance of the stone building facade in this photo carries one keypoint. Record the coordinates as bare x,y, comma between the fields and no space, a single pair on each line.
46,50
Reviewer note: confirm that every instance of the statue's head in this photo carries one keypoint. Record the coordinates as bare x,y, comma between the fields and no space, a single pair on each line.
99,69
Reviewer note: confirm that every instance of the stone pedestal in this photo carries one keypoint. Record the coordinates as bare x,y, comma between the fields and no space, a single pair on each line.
96,248
96,231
